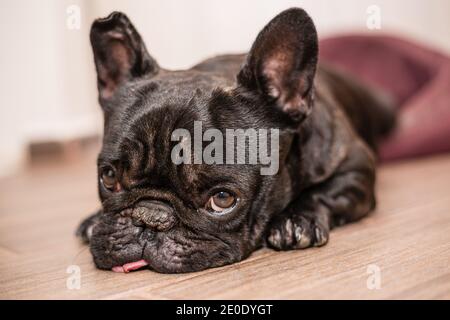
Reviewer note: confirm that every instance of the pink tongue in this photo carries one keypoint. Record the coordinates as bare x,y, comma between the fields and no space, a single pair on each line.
130,266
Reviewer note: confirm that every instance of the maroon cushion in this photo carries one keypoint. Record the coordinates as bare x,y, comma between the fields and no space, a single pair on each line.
417,78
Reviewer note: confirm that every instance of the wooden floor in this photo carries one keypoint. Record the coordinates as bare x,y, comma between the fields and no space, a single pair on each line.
406,242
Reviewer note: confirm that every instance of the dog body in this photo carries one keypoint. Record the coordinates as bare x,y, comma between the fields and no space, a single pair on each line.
158,211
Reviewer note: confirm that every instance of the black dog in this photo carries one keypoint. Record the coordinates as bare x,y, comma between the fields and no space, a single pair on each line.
181,218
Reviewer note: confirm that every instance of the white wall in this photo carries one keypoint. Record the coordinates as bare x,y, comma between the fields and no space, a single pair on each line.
46,82
47,78
180,33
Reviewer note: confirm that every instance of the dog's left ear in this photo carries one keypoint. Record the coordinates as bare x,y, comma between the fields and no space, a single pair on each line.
282,63
119,53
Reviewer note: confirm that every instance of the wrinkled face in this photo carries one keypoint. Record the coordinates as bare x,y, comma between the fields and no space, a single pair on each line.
183,217
176,217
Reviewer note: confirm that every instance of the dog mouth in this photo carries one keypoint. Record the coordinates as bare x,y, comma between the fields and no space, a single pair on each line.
124,244
131,266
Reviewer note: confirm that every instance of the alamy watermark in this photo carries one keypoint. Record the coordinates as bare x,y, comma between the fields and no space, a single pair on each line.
235,146
73,19
73,281
374,280
373,21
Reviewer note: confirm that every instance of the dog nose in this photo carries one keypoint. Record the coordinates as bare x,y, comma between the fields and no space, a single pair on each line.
154,214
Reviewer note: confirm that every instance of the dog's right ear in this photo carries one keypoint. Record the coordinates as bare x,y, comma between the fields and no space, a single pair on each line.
281,64
119,53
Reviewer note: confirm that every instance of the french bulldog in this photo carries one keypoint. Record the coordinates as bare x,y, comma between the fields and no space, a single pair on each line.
175,218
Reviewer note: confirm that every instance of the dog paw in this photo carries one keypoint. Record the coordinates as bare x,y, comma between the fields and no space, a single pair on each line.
84,230
297,232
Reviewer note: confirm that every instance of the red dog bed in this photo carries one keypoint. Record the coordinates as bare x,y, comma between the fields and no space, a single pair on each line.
417,78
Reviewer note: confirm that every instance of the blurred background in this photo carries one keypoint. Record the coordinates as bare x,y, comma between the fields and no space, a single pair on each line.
48,97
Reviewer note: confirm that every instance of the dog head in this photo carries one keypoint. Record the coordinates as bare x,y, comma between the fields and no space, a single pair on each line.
191,216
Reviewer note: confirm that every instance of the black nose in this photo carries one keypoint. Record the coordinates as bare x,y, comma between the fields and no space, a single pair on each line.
154,214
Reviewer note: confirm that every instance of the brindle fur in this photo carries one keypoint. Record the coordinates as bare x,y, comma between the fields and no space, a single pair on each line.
328,130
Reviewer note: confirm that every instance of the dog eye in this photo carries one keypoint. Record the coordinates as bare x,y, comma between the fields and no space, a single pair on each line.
109,180
221,201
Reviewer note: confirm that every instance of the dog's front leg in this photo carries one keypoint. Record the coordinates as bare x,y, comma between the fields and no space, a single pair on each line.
84,230
344,197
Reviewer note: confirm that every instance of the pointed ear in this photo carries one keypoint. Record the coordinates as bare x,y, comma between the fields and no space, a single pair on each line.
119,53
282,63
